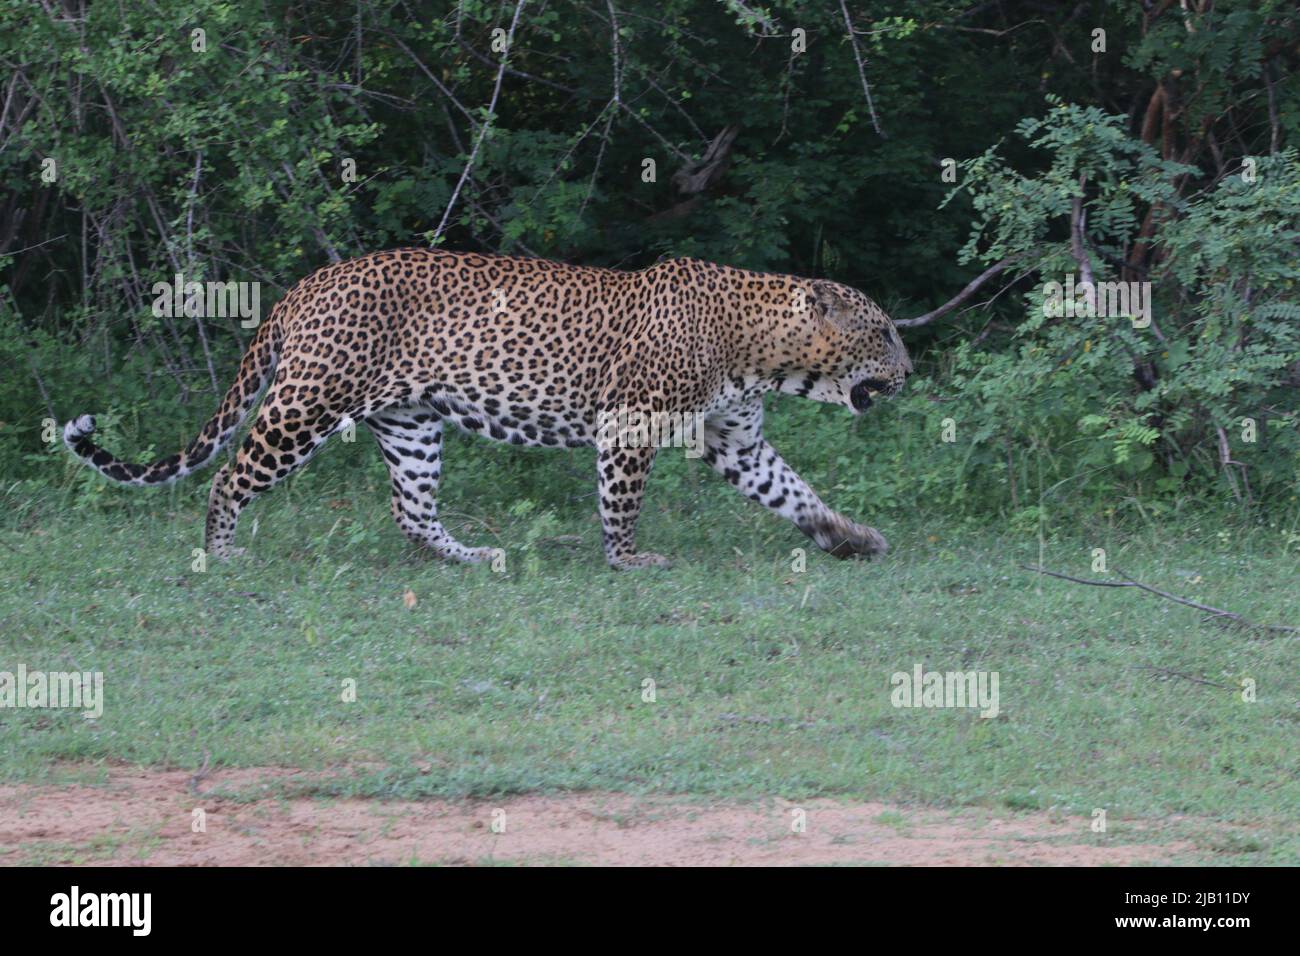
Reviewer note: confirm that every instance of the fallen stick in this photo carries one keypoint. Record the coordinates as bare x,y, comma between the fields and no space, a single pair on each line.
201,775
1128,582
1166,672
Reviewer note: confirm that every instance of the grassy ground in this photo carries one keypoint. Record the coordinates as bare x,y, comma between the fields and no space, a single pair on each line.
768,681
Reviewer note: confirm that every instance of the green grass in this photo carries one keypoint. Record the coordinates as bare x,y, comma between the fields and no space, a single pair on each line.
768,682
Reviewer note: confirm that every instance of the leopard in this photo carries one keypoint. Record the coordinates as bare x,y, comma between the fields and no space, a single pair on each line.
535,353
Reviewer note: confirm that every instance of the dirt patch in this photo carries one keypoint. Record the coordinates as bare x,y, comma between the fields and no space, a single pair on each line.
147,818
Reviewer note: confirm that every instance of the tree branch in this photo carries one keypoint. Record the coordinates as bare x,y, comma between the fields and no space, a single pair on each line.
971,288
862,72
487,122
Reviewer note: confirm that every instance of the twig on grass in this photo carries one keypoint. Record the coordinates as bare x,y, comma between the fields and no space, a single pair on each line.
766,721
1128,582
1166,672
201,775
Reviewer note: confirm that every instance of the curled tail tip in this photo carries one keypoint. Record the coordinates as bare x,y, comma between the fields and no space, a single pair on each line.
79,428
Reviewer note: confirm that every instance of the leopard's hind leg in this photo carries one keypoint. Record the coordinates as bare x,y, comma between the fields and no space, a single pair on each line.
283,438
411,441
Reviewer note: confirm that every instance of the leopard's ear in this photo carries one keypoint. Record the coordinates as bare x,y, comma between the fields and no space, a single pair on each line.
830,302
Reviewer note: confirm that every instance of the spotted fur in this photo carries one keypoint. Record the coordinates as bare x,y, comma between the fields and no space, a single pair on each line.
534,353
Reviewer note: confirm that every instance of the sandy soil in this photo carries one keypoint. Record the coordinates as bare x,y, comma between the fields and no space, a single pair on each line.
145,817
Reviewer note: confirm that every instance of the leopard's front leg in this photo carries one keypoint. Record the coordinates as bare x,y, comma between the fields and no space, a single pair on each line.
621,476
735,447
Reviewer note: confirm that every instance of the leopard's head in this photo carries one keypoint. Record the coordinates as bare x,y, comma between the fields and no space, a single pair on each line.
863,357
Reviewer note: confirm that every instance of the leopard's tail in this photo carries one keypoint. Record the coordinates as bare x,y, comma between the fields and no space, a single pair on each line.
255,372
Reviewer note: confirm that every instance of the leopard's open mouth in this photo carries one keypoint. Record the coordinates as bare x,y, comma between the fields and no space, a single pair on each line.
862,394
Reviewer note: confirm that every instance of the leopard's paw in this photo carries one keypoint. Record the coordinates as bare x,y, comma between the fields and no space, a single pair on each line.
842,538
864,542
483,556
454,552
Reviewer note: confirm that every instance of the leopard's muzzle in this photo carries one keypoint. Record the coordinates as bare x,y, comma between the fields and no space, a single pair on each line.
862,394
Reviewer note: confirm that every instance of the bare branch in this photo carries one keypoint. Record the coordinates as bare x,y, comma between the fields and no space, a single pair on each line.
442,87
616,100
487,121
654,132
1274,123
990,32
862,72
317,232
478,208
1078,230
1226,459
697,176
971,288
531,78
618,64
1078,219
769,25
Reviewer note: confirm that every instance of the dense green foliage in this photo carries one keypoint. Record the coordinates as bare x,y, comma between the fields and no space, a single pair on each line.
1166,155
